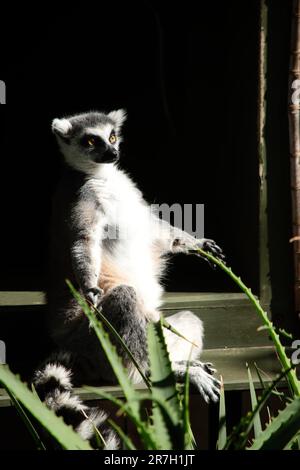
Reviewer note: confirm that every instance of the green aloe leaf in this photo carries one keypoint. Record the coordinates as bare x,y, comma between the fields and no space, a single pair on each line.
144,430
189,439
25,418
282,430
222,437
256,420
167,423
239,436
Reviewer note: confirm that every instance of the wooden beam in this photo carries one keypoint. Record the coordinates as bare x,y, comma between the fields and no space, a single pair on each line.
294,135
170,299
230,363
265,293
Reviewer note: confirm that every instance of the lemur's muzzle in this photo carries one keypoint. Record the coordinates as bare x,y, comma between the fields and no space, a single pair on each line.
109,156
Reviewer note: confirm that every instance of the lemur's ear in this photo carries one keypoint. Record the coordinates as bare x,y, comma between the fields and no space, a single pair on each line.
119,116
61,127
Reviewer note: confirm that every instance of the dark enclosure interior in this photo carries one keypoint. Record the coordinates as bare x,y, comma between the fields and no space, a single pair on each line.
188,79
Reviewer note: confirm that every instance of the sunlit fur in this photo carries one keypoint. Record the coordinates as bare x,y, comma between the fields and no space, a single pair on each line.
122,271
101,125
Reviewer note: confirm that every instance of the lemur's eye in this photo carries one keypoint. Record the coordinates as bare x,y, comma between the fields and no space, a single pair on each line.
91,141
112,138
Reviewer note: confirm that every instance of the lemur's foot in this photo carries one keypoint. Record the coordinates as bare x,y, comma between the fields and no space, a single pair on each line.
94,295
201,377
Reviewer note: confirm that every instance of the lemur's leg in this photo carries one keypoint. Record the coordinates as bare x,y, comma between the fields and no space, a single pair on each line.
86,363
190,326
121,308
124,311
181,351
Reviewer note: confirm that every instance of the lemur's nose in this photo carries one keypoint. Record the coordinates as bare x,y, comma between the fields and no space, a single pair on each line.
109,155
110,151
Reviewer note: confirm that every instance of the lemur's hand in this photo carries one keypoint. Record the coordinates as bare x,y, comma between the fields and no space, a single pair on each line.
94,295
210,246
182,245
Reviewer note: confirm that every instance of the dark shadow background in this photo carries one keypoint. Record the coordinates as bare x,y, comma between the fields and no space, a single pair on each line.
188,78
187,75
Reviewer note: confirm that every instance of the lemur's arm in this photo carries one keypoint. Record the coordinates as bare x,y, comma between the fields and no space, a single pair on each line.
86,235
171,239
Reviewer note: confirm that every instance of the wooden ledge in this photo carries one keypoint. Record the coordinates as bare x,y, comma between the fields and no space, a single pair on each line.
170,299
229,362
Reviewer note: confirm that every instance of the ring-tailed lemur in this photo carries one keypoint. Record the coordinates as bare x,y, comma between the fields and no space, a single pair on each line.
111,247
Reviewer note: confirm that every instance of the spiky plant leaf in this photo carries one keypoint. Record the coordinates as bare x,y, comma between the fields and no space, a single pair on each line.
222,437
239,436
63,434
281,430
167,425
263,385
256,420
26,420
294,444
162,376
189,439
161,426
144,429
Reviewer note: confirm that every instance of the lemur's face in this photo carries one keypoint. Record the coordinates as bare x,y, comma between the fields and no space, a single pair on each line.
90,139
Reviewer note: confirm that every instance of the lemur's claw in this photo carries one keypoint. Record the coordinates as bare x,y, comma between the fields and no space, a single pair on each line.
210,246
94,295
207,385
209,368
201,377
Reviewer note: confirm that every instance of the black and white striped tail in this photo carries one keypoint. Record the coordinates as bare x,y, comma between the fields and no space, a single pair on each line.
53,384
